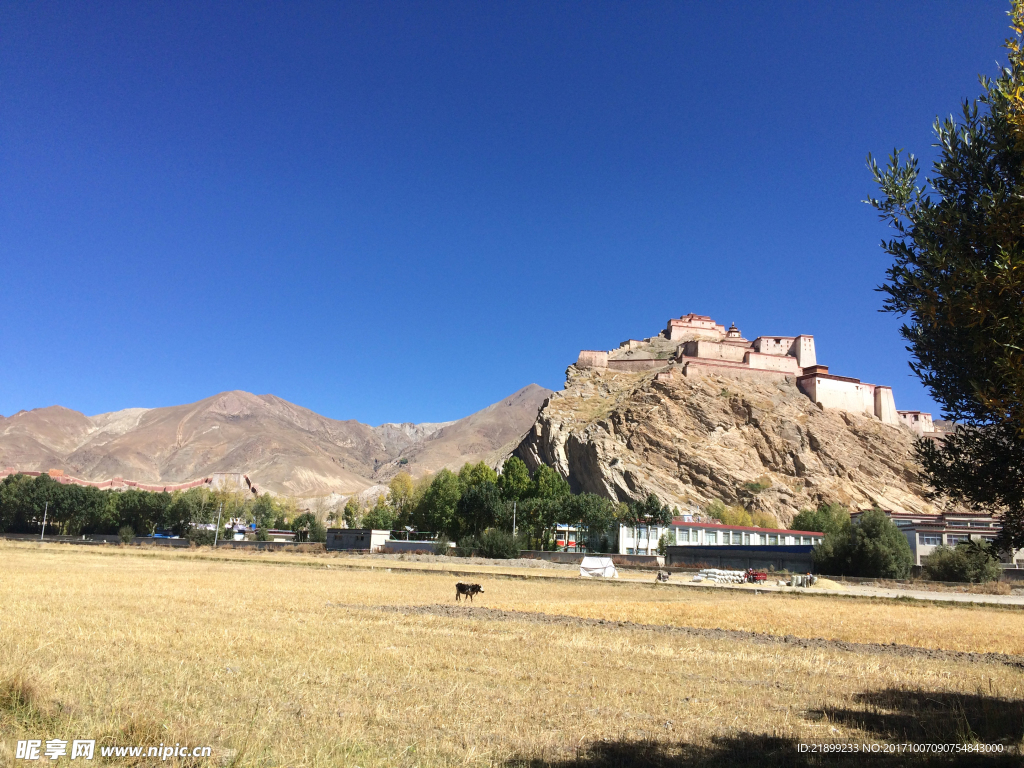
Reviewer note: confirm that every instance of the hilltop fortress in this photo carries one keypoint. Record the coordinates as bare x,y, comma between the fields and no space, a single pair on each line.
695,345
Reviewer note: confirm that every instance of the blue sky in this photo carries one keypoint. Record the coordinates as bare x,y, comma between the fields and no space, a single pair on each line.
406,211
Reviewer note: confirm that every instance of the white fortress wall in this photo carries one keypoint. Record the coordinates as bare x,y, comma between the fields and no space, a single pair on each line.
845,395
693,326
677,332
773,363
885,405
919,422
773,345
714,350
592,358
802,349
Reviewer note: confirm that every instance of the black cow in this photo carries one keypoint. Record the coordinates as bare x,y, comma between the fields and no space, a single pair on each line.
468,590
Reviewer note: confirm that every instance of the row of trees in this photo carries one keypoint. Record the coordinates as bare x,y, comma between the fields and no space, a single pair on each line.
458,506
464,506
75,510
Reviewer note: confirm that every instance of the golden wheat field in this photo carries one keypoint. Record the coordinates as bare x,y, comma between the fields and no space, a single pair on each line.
282,661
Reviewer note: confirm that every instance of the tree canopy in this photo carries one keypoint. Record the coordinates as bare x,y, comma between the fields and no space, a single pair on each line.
514,481
872,547
469,505
958,280
75,510
972,561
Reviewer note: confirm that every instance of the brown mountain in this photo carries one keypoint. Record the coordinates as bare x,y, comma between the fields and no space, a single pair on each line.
281,446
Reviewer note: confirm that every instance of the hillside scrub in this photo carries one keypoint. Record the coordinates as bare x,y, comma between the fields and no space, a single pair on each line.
738,515
827,518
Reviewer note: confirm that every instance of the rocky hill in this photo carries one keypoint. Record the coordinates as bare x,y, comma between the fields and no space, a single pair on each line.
281,446
763,444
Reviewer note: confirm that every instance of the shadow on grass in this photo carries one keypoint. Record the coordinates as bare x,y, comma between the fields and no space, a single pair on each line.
747,751
889,717
934,717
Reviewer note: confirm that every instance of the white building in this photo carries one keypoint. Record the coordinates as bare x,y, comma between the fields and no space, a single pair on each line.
685,532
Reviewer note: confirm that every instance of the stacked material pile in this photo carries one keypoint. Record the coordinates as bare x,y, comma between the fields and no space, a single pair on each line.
722,577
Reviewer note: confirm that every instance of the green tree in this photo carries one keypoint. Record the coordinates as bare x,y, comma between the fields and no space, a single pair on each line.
879,548
873,547
353,512
958,278
141,511
548,483
307,528
436,510
479,508
968,561
402,497
648,512
188,508
832,555
264,511
592,515
498,544
381,516
514,480
475,474
88,512
536,517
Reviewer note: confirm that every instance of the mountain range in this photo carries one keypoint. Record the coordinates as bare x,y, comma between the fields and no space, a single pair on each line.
281,446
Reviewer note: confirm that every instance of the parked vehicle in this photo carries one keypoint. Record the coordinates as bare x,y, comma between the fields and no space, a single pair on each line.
756,577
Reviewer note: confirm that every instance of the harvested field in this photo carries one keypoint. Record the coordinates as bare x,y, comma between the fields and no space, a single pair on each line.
892,649
274,662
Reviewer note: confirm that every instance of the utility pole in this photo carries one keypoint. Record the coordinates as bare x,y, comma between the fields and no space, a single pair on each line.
43,532
216,531
513,518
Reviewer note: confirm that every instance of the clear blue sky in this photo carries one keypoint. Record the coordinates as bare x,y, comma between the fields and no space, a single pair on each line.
405,211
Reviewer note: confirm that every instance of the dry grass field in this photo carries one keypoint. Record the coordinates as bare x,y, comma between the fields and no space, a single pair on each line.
281,661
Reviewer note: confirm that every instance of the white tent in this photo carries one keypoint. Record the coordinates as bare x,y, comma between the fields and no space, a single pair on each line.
598,566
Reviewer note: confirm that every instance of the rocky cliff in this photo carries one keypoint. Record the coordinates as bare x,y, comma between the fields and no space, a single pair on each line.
691,440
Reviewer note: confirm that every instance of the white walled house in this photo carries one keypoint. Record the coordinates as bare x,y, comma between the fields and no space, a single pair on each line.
684,532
